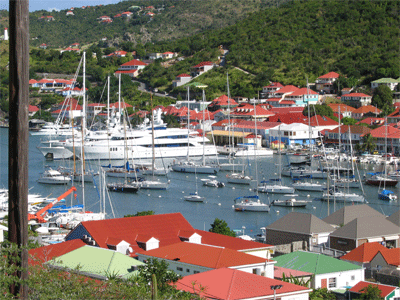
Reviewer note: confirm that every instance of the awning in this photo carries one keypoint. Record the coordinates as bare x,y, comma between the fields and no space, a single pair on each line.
379,239
391,237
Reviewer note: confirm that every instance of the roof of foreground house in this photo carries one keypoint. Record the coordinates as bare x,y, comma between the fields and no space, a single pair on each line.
204,255
97,262
395,218
315,263
301,223
364,253
229,284
385,289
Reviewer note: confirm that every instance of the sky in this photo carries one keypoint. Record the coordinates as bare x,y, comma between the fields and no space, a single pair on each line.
50,5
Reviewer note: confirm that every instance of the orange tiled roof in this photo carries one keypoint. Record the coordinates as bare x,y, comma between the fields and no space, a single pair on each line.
364,253
367,109
385,289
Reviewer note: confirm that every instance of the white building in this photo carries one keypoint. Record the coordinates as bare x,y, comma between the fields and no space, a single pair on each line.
291,134
390,82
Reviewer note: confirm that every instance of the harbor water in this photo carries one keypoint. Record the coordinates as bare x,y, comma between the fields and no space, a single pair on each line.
218,201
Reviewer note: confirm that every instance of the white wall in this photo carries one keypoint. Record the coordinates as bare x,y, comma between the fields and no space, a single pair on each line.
342,278
303,296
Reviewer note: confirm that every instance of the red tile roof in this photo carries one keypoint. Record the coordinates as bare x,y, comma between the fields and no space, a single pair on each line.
287,89
205,255
318,120
289,118
125,71
163,227
202,64
287,102
392,256
385,289
330,75
248,110
396,113
134,62
372,121
343,107
381,132
356,95
281,110
47,253
32,81
183,75
33,108
355,129
223,100
301,92
96,105
274,85
363,253
367,109
229,284
123,105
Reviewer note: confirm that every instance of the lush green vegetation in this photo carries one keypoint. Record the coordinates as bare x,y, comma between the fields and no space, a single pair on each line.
221,227
173,19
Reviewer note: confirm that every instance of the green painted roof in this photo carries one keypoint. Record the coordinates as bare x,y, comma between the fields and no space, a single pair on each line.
313,263
97,262
386,80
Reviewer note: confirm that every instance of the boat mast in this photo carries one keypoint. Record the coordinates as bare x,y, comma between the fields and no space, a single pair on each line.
108,119
204,136
83,129
152,135
229,120
309,127
255,144
188,122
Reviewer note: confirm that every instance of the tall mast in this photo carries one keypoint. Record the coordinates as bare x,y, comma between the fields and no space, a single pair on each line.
339,145
255,144
119,97
83,130
188,121
108,119
309,125
152,135
229,116
204,137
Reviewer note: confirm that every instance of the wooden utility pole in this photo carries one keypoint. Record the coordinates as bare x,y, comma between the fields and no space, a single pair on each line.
18,138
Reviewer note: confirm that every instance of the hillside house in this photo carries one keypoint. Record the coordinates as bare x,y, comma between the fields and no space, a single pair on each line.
389,82
246,111
46,18
127,14
329,272
181,79
343,109
120,53
394,117
222,103
356,99
387,133
301,97
69,13
168,55
32,110
93,109
154,56
269,90
202,68
105,19
325,82
353,132
43,46
365,111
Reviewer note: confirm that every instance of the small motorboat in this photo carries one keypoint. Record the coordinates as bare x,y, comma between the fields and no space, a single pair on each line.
387,195
212,182
194,197
291,202
128,187
51,176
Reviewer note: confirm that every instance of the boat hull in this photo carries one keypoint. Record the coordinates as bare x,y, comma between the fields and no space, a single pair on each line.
275,189
123,188
378,182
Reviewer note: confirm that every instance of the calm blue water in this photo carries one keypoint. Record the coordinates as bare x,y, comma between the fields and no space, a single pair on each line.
218,202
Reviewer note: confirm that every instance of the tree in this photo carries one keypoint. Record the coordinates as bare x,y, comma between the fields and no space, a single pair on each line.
371,292
160,269
141,213
322,110
383,98
221,227
348,121
368,143
322,294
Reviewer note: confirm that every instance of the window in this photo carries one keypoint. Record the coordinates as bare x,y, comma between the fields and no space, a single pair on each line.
353,277
179,268
187,270
332,282
196,272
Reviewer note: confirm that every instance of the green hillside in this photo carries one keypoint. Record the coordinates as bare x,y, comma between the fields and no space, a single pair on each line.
172,19
300,39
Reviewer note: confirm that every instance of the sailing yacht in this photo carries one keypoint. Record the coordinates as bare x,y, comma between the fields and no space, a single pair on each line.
250,203
189,166
275,185
385,194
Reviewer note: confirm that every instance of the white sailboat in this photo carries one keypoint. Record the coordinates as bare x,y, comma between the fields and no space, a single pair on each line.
194,197
212,181
275,185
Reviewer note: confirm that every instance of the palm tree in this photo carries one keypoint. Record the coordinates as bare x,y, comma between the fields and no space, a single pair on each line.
368,143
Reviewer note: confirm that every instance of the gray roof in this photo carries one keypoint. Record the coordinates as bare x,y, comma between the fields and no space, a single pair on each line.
395,218
349,213
367,227
301,223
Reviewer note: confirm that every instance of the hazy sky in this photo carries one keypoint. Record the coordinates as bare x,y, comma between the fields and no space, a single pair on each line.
58,4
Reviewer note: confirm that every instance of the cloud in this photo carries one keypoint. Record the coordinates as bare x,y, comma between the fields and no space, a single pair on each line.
53,9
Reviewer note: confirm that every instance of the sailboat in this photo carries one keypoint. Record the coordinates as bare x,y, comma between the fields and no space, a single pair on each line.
275,185
385,194
308,185
194,197
189,166
125,187
251,203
